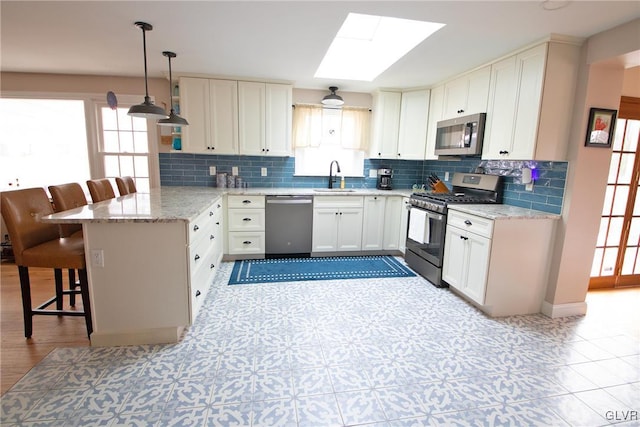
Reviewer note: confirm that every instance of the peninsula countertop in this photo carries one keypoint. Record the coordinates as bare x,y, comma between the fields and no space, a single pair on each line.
502,212
172,204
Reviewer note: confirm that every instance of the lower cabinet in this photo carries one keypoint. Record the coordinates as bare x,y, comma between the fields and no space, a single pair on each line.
382,223
501,265
337,223
245,225
204,253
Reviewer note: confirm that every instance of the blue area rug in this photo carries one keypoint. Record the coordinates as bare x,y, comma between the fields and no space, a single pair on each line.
330,268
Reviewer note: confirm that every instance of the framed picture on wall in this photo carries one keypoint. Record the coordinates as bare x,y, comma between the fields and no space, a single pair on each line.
601,126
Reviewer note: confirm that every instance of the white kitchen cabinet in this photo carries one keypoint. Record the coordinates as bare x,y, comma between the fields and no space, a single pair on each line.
414,114
499,265
466,262
245,225
530,103
204,253
436,105
400,124
467,94
386,125
393,237
265,118
212,110
337,223
373,223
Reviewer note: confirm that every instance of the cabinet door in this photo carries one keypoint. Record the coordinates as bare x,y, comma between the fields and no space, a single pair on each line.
349,236
478,91
392,223
373,223
386,125
501,109
223,96
251,118
478,250
435,115
278,120
325,229
455,97
454,263
194,104
530,66
414,113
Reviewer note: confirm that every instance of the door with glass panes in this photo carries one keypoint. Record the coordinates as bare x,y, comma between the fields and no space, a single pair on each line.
616,260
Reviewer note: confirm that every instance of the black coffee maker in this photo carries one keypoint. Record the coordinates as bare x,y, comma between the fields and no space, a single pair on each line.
384,179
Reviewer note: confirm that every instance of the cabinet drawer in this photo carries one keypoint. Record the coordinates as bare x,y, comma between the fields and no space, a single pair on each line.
246,242
240,201
246,220
475,224
338,201
199,252
203,224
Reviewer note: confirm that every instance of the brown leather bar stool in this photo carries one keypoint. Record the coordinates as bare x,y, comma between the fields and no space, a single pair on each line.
38,244
65,197
100,189
126,185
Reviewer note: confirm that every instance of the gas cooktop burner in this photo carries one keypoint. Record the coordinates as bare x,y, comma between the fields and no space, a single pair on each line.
466,188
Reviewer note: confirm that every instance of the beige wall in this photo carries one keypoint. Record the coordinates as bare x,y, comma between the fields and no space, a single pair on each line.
600,84
631,83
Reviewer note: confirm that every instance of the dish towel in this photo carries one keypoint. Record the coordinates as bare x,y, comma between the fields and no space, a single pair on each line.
419,226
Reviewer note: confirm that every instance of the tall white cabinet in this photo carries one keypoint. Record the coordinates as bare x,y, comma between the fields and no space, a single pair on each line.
265,115
211,107
530,103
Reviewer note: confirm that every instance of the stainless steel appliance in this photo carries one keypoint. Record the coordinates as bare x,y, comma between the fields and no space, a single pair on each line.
428,220
384,179
461,136
288,225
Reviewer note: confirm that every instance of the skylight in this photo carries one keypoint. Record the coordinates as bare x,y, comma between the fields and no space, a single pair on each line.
366,45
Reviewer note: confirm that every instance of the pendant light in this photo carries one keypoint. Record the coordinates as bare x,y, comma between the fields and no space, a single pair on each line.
332,99
174,119
146,109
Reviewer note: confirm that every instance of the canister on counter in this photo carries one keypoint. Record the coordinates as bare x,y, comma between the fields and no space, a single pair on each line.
239,182
221,180
231,181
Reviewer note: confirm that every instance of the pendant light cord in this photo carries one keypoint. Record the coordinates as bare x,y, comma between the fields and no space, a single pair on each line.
170,85
144,49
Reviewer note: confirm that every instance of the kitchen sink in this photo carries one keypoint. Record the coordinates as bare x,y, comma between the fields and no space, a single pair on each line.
334,190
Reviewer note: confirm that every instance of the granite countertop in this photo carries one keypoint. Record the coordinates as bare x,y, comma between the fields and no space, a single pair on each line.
501,212
171,204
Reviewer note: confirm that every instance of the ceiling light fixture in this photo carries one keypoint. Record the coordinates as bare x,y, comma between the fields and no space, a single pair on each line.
146,109
173,119
332,99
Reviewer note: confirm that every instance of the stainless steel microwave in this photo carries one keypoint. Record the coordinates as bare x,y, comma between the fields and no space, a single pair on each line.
461,136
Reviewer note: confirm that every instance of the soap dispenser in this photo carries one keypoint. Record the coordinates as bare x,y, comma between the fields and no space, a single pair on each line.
342,182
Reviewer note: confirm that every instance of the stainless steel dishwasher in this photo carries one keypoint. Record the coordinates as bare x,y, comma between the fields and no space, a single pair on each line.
288,226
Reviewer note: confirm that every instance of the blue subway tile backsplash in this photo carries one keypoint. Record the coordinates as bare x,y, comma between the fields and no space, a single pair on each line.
184,169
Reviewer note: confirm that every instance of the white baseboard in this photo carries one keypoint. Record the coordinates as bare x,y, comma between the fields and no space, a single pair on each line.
564,310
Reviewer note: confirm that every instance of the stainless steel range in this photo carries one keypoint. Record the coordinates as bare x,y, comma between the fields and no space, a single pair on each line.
428,220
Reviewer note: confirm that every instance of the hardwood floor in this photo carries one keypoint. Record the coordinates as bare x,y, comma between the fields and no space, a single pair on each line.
18,354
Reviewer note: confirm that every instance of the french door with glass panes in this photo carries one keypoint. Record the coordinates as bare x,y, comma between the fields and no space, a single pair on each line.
616,261
124,147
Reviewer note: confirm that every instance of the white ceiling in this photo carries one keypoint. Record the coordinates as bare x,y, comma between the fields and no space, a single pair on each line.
277,40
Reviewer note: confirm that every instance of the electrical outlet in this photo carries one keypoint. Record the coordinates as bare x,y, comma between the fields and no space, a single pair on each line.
529,186
446,176
263,171
97,257
212,170
373,173
234,171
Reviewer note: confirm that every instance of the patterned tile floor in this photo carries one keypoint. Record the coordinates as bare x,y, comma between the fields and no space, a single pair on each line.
379,352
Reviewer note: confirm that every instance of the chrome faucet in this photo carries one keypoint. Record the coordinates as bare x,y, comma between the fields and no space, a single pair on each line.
332,178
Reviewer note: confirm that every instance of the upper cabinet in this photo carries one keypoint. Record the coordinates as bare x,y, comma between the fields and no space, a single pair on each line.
265,111
530,103
466,94
400,124
436,104
211,107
